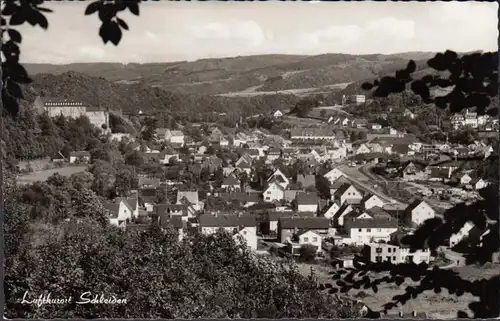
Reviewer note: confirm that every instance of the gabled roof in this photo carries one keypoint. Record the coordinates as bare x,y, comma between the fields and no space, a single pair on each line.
243,164
80,154
343,188
378,212
175,221
351,223
191,196
413,205
318,223
306,180
231,180
307,198
167,209
227,220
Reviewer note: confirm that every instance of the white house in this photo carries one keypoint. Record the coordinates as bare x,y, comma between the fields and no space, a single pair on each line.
82,156
280,177
334,174
190,197
241,225
348,193
307,202
382,252
372,200
362,149
120,212
310,238
417,213
332,209
465,179
277,113
231,183
175,136
455,238
478,183
341,214
274,192
365,230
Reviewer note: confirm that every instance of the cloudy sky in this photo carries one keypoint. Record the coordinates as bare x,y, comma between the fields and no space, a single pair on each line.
174,31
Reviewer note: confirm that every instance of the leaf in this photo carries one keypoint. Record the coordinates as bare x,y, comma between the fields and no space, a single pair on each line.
411,67
17,19
93,8
3,22
14,90
115,33
122,23
9,9
367,86
133,7
41,20
44,9
14,35
374,288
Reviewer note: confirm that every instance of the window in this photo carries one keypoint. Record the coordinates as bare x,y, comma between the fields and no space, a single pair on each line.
315,239
268,192
379,230
394,258
360,230
368,230
268,198
306,239
378,250
389,250
378,258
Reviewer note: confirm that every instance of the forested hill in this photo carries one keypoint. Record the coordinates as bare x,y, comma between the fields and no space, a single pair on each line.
135,97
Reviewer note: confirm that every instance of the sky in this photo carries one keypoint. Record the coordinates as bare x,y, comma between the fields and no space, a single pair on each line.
176,31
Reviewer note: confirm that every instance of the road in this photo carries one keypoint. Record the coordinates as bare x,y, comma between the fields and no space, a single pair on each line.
359,177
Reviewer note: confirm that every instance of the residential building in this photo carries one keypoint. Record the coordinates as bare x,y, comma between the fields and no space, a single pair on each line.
357,99
365,229
334,174
290,226
413,172
477,183
176,222
189,197
277,114
243,227
274,192
231,183
455,238
383,252
280,178
120,212
80,157
306,180
465,179
330,210
305,237
371,200
347,193
334,187
307,202
312,133
402,112
417,213
184,211
362,149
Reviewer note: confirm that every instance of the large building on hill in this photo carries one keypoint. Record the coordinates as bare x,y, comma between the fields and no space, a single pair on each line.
72,109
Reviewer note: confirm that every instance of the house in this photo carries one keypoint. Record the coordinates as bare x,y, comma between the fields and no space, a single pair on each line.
273,217
477,184
246,199
289,226
244,166
330,210
362,149
364,230
307,201
145,182
280,177
402,112
231,183
242,227
455,238
334,187
120,212
359,123
338,218
174,222
305,237
277,114
413,172
383,252
175,137
357,99
168,210
274,192
148,197
169,155
189,197
348,193
133,203
371,200
417,213
306,180
312,133
81,157
334,174
273,154
375,126
465,179
437,174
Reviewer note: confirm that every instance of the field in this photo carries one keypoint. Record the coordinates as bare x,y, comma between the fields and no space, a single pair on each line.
442,305
45,174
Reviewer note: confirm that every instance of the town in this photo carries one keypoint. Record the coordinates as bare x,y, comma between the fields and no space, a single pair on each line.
301,193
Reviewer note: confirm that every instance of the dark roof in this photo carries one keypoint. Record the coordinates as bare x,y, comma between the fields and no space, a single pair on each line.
231,180
243,164
307,198
318,223
80,154
306,180
166,209
342,189
350,223
275,215
227,220
148,192
378,212
113,208
175,221
401,148
240,196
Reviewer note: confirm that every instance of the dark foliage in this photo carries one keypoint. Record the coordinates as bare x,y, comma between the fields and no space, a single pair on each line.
474,78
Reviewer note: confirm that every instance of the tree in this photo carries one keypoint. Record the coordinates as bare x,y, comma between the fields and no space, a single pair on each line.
307,252
323,187
472,80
